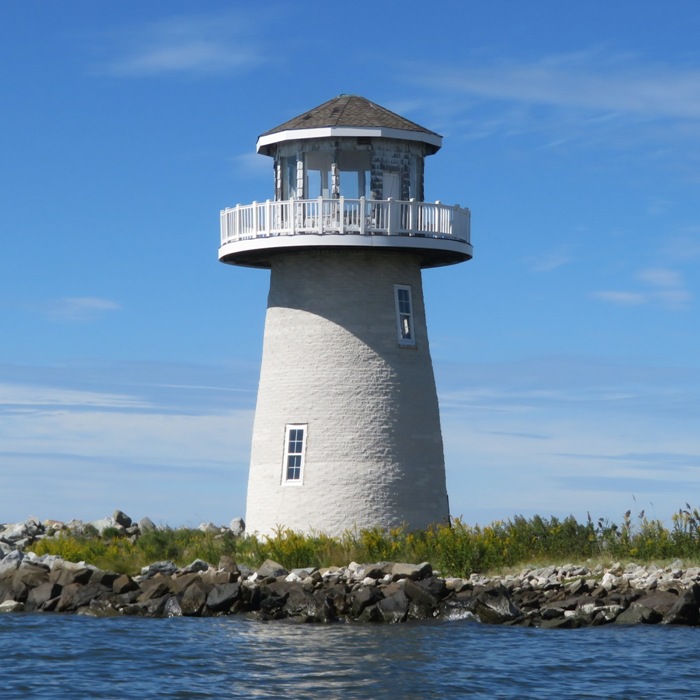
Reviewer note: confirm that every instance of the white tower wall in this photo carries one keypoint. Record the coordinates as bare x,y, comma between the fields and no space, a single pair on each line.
332,362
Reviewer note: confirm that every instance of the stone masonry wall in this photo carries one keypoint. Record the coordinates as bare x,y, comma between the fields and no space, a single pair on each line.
331,360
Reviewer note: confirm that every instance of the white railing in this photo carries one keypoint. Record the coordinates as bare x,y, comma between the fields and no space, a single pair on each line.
346,216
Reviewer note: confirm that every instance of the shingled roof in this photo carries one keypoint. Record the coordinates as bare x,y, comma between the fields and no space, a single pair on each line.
349,111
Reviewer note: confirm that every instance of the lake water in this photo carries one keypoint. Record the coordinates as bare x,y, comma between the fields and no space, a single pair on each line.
53,656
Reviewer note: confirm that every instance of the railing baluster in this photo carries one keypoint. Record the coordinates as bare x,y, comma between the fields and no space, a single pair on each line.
361,216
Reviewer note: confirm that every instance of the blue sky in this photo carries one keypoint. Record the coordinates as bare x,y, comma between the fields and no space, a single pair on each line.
566,351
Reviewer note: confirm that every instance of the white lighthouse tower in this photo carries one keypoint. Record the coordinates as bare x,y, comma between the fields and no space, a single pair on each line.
347,429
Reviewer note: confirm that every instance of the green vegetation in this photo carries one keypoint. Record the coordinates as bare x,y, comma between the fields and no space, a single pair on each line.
458,550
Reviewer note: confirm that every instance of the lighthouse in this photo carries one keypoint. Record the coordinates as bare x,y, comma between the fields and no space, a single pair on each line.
346,433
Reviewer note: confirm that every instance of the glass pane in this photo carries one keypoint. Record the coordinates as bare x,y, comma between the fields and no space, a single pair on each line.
289,178
354,167
318,174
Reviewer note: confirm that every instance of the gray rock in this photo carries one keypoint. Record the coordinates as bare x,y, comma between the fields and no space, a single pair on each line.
75,596
209,527
53,561
222,598
158,567
69,572
412,571
422,603
40,595
102,524
147,525
155,588
237,527
99,608
307,606
193,599
121,518
196,565
493,606
271,568
76,526
11,560
104,578
124,584
10,606
685,611
226,563
393,607
362,598
172,608
638,614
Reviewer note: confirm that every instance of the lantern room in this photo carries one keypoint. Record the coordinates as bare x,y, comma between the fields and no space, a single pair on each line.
352,171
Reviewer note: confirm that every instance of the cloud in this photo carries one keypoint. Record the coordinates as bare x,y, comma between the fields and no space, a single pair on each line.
80,309
252,163
181,441
621,298
594,80
568,436
170,455
549,261
661,286
186,45
624,105
661,277
25,397
685,246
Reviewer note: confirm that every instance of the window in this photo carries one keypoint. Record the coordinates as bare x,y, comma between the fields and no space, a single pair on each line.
318,175
294,447
289,177
391,184
354,169
404,314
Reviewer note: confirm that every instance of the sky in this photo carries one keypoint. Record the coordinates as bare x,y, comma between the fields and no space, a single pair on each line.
565,353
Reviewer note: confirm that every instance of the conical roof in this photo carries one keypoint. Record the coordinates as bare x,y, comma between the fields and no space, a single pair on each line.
348,115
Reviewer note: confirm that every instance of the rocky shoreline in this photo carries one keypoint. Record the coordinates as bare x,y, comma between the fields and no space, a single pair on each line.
567,596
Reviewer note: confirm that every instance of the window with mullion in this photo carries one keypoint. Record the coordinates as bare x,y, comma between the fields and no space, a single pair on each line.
294,448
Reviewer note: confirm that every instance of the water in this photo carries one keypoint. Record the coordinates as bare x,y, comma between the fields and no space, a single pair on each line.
53,656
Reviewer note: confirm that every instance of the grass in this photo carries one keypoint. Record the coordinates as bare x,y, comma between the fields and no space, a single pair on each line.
458,550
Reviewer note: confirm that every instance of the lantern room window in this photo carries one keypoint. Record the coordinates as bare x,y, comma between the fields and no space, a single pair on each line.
289,177
317,172
354,167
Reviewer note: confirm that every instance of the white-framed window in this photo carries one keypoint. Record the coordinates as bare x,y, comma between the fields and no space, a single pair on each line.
404,314
294,450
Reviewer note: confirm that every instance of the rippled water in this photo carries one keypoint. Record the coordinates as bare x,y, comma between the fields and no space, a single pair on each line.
52,656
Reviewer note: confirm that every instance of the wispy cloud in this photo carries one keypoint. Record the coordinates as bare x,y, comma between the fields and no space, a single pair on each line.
79,309
568,437
252,162
661,286
549,261
591,99
186,45
25,397
621,298
684,246
165,455
595,79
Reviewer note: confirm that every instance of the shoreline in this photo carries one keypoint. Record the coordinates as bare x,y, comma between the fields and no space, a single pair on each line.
566,596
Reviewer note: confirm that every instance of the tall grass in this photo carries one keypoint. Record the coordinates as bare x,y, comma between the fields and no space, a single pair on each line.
458,550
